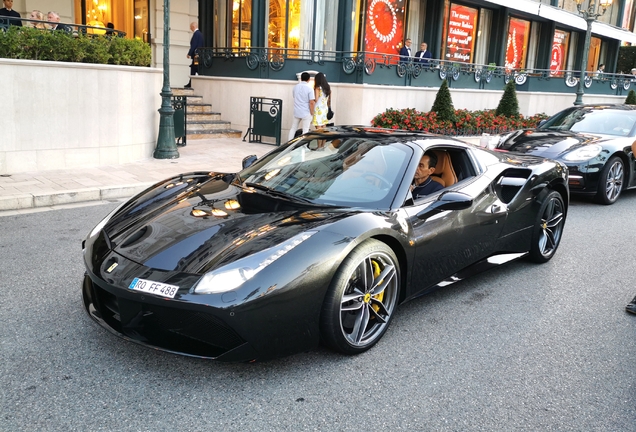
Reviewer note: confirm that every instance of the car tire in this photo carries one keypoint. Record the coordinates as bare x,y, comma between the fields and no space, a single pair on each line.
548,229
362,298
610,182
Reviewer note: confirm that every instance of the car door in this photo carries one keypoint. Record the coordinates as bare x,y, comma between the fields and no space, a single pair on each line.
449,240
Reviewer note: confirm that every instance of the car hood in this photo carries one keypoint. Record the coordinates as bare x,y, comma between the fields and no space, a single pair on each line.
547,143
205,223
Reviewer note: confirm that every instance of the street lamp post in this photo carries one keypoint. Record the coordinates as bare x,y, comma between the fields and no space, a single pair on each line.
590,15
166,143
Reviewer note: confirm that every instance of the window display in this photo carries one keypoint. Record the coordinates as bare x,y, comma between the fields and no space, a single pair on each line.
559,52
460,34
384,31
241,23
517,45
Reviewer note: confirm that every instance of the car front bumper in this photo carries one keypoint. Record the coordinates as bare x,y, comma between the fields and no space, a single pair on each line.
172,327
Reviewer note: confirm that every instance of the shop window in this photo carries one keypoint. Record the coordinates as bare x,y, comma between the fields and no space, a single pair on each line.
416,14
326,26
241,23
302,24
129,16
574,42
559,55
611,15
357,18
483,36
460,29
533,45
97,13
142,22
594,54
277,24
517,44
628,16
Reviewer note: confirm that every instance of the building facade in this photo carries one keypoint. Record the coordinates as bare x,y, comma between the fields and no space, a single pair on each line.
519,34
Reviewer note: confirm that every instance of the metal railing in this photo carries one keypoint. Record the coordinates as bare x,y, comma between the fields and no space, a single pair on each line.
392,69
73,29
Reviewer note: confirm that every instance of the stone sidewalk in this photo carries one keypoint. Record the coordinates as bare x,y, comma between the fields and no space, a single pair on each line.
43,189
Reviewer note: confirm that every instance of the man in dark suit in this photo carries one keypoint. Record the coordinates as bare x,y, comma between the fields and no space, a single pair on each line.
8,11
423,55
195,42
54,18
405,52
423,184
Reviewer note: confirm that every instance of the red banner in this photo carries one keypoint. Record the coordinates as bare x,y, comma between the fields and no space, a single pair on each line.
460,40
559,51
518,31
385,26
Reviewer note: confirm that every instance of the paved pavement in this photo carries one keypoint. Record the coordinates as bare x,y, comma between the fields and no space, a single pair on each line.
44,189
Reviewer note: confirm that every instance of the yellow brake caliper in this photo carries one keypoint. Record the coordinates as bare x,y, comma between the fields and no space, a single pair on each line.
376,273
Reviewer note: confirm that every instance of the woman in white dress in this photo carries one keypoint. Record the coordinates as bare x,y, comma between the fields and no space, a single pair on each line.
323,100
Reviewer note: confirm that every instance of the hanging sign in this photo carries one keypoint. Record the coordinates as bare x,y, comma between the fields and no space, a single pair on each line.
460,40
518,31
384,28
559,48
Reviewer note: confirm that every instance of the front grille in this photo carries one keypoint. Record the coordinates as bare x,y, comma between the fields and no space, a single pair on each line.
173,329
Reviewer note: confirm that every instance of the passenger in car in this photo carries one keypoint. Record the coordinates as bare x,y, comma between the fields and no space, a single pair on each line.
423,184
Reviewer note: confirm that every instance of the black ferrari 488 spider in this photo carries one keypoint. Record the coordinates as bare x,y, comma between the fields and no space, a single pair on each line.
319,240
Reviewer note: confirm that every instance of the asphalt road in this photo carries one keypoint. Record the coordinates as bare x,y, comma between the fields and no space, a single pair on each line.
522,347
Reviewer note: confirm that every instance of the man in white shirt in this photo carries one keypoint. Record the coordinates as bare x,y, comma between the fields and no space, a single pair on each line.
304,102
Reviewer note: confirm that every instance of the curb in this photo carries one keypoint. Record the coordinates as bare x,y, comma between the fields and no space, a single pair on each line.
49,199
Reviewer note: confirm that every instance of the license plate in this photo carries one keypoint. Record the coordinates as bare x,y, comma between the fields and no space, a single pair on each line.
157,288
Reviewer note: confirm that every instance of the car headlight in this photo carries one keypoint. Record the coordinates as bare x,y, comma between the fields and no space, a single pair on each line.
583,153
235,274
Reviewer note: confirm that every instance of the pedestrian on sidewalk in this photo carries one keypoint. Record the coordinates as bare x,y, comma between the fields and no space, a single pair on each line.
304,103
196,42
323,100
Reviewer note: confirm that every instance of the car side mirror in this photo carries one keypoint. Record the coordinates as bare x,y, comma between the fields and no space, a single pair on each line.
249,161
447,201
542,122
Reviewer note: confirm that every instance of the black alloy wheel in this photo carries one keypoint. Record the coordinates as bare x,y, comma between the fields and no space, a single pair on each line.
610,183
361,299
548,228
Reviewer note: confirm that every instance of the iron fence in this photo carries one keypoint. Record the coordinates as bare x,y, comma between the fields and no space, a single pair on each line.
74,29
389,69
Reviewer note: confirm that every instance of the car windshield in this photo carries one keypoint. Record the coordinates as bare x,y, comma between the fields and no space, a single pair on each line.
595,120
347,171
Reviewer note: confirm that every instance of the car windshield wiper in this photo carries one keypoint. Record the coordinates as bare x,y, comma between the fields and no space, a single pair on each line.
279,194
